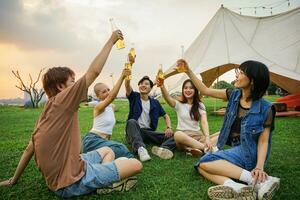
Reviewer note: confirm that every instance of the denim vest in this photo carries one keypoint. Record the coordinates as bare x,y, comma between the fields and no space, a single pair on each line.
252,126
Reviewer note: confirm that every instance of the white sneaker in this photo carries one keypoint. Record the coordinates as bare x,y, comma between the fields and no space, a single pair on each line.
143,154
267,189
162,152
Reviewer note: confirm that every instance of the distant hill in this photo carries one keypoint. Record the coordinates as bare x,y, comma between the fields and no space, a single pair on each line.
16,101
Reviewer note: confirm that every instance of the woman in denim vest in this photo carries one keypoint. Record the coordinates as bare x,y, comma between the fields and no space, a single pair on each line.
247,128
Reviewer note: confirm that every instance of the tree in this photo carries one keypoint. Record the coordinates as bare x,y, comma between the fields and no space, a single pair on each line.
223,85
34,93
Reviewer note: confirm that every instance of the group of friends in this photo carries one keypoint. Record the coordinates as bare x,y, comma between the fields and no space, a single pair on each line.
72,168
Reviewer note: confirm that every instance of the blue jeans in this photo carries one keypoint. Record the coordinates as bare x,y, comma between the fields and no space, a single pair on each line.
96,176
233,155
92,141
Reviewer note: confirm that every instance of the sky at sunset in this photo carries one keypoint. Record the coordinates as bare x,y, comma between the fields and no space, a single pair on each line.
36,34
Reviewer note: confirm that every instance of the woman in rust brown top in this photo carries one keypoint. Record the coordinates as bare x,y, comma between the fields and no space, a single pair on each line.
56,138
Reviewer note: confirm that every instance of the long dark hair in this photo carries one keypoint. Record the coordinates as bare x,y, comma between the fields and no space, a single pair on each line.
194,112
259,74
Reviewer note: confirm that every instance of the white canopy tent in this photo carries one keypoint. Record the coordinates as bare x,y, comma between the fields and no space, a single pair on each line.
230,39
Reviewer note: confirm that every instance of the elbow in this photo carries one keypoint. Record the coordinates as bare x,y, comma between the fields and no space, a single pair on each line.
111,97
263,143
96,73
204,91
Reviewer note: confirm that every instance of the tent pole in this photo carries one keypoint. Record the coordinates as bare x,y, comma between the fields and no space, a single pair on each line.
215,104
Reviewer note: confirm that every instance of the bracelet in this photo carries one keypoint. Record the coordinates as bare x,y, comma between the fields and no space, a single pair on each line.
256,168
168,127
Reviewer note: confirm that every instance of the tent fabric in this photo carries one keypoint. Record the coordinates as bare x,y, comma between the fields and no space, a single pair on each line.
230,39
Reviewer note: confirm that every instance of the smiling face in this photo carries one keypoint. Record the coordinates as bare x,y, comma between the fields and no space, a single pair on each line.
242,81
101,91
188,90
145,87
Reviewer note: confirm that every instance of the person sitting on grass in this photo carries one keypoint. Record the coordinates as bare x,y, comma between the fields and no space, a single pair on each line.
190,111
56,138
144,112
104,120
247,127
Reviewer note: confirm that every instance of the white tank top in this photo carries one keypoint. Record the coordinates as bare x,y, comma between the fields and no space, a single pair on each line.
104,123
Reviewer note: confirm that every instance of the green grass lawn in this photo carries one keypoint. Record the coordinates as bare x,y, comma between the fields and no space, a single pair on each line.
160,179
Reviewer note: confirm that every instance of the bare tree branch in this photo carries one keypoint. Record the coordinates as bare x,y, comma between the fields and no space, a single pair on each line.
38,78
31,90
31,81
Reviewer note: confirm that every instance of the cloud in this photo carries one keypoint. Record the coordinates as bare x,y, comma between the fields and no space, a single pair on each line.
35,26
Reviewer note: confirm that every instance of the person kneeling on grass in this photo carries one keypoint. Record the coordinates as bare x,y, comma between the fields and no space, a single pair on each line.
104,119
144,112
247,127
56,138
190,111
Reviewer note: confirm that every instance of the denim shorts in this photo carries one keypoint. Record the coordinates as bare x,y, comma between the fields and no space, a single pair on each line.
92,141
233,155
96,176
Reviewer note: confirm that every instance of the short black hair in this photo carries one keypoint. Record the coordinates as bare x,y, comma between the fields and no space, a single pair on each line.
146,78
259,74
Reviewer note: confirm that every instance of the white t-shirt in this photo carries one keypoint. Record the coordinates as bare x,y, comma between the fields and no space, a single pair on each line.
184,120
144,119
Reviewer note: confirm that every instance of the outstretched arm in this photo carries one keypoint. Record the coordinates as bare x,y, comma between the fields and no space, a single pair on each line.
171,73
25,158
167,97
99,61
128,87
112,94
217,93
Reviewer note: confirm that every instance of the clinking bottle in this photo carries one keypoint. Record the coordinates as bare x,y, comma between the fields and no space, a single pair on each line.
120,43
128,66
160,73
132,50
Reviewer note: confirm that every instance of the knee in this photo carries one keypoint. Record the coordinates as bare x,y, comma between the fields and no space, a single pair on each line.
131,122
106,151
200,170
178,135
136,165
203,167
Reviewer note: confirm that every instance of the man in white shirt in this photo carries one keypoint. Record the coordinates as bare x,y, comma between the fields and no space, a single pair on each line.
144,112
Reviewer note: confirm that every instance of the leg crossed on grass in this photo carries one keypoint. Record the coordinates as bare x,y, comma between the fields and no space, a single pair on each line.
221,168
103,171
